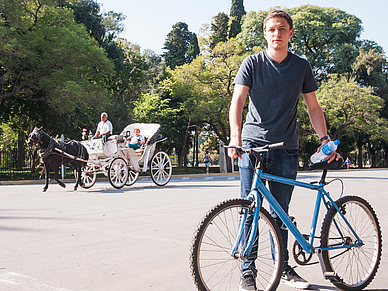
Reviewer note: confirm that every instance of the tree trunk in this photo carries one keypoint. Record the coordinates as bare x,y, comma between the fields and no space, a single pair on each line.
385,147
359,159
183,159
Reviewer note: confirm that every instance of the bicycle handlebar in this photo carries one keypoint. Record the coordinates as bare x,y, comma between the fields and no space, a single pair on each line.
240,150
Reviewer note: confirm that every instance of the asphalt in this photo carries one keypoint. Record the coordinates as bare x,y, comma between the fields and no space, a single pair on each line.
138,238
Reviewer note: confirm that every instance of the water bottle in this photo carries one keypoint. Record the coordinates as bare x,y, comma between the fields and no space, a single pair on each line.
325,151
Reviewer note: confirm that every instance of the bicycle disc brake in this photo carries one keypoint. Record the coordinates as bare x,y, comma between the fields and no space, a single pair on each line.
300,256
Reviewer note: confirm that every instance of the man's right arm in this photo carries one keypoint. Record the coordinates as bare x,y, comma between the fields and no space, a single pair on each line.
235,116
97,134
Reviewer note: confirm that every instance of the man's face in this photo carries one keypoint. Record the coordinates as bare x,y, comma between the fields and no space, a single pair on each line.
104,118
277,33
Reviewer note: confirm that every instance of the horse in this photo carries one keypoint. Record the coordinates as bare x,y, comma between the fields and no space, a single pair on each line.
55,153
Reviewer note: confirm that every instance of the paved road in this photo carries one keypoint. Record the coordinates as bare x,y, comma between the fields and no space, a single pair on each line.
136,238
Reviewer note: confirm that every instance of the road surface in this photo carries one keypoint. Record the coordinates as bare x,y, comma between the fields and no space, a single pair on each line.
138,238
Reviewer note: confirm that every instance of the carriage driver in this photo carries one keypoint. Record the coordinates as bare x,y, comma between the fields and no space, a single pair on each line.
104,127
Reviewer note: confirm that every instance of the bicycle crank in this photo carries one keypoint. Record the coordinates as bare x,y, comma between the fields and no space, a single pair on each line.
301,257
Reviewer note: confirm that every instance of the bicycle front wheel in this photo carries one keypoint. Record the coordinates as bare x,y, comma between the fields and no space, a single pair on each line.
355,266
212,263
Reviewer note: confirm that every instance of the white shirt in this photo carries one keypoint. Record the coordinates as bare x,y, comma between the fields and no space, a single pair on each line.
137,139
104,127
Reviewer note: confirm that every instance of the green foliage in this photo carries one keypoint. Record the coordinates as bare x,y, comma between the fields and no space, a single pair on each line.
320,33
252,30
349,107
151,108
326,36
180,45
237,12
50,65
204,87
87,13
219,29
368,69
193,49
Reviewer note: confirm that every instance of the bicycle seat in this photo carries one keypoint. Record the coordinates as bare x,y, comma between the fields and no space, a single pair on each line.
324,165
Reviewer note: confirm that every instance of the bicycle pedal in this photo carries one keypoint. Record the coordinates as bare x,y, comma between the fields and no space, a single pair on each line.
333,277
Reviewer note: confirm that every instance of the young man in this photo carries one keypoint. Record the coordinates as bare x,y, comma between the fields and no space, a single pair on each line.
104,127
274,79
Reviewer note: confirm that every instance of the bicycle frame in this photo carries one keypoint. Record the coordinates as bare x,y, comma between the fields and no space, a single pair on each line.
260,191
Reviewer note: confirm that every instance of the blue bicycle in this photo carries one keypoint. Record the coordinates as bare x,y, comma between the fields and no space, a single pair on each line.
349,251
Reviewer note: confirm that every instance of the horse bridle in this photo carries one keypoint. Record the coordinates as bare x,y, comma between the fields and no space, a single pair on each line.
38,134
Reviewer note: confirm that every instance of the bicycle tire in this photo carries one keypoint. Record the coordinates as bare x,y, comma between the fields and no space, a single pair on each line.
355,267
212,265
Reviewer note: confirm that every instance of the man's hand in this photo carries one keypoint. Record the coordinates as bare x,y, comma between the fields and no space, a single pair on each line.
333,156
232,153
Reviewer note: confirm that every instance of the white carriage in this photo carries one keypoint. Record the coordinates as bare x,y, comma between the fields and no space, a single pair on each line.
123,165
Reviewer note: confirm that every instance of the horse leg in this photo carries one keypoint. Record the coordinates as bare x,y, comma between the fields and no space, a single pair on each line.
56,174
47,175
78,181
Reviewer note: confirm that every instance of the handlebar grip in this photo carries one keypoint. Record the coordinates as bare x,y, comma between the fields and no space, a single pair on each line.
277,145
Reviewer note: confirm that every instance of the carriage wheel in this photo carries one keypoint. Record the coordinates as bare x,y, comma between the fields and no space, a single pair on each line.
118,173
132,177
161,168
88,177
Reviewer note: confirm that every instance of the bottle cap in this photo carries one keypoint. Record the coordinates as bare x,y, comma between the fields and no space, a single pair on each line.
336,142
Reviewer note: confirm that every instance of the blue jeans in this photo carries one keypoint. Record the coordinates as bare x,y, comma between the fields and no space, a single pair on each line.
278,162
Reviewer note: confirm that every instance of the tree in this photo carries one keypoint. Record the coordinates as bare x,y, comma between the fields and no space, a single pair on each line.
350,108
153,108
205,88
251,34
87,12
219,29
193,49
237,12
50,66
177,44
321,34
368,69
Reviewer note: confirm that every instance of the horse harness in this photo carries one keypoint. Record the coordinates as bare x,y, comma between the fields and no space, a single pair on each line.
58,148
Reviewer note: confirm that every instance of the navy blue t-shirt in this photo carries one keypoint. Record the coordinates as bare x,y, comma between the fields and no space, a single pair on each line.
274,90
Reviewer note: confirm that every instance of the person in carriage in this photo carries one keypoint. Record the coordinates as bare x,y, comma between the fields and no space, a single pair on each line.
136,141
104,128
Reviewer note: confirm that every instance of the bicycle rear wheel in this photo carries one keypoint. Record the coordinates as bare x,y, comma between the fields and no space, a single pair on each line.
212,264
357,266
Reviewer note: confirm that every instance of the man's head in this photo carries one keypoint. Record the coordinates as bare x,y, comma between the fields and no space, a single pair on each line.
278,13
278,30
104,117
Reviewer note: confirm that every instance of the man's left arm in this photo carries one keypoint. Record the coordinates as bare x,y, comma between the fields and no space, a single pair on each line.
318,121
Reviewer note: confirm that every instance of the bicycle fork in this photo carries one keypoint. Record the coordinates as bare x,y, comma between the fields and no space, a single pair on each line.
255,197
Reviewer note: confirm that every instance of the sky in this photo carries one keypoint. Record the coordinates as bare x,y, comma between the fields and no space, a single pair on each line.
148,22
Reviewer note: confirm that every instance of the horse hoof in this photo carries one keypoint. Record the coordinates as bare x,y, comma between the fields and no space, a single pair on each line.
63,185
44,190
